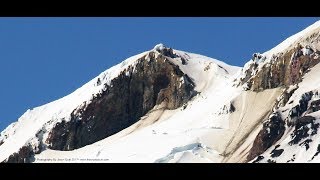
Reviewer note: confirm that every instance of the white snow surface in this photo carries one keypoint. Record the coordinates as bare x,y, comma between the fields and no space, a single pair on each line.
19,133
174,133
298,152
292,39
193,133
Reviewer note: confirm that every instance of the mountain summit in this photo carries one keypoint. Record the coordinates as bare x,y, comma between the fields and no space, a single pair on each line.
167,105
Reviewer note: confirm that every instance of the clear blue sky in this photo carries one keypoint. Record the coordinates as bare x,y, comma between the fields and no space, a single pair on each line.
43,59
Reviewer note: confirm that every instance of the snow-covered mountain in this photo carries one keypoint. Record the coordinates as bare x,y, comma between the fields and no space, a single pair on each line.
166,105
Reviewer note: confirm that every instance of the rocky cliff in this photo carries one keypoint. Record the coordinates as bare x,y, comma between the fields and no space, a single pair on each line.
166,105
285,69
152,81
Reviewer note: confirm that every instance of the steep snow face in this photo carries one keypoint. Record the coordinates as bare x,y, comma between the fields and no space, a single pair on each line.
204,69
205,72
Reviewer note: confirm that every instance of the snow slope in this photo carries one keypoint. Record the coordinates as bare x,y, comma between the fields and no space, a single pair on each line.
203,130
178,135
34,119
46,116
298,152
293,39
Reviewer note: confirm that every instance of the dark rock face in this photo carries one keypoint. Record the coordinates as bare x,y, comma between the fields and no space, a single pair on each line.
24,155
302,128
153,80
232,108
317,153
27,152
226,109
39,136
314,106
271,161
292,159
167,52
284,69
298,118
272,131
1,142
301,108
259,158
276,152
306,144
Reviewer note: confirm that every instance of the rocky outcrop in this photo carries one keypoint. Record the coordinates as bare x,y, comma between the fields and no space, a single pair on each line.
24,155
297,118
271,132
299,109
227,109
276,152
281,69
284,69
153,80
314,106
317,153
304,127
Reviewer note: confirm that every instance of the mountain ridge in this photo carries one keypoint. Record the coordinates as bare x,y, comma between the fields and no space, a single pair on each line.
197,108
79,95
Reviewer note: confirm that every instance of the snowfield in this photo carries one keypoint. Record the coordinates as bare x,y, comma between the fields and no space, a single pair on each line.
176,135
173,128
204,130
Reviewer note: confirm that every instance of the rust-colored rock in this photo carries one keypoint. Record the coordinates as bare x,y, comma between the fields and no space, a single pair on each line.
153,80
284,70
